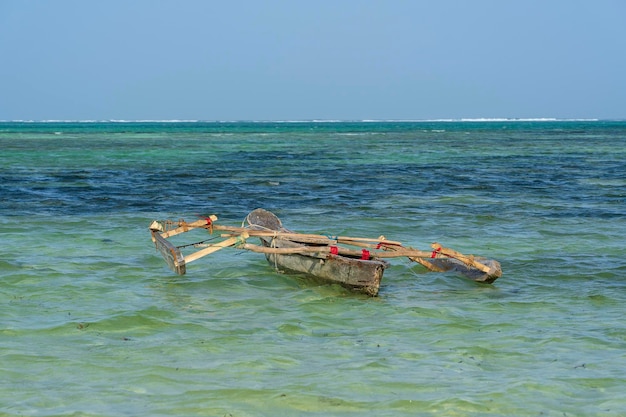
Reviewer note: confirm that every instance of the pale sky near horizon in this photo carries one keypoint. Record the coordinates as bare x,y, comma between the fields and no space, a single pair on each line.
303,60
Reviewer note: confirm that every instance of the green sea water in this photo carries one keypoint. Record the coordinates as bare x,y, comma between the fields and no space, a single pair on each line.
93,323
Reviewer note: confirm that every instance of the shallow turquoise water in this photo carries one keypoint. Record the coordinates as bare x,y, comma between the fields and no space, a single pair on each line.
93,322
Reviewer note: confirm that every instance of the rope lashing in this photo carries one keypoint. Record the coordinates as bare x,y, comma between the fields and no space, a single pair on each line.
209,223
241,240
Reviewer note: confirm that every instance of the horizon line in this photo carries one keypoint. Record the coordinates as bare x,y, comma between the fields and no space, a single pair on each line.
463,119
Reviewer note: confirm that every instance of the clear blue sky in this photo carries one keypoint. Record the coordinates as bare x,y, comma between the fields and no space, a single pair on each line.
301,60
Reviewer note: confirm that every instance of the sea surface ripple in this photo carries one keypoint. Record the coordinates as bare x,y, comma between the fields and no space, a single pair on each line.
93,322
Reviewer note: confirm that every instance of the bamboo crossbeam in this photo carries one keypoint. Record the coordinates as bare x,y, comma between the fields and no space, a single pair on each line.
213,248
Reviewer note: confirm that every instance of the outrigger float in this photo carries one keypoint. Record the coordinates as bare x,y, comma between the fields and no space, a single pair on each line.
353,262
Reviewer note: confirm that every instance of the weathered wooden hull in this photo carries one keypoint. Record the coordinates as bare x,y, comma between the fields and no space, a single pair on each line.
356,274
350,272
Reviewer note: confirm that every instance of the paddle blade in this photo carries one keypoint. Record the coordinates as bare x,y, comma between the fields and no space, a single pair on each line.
172,255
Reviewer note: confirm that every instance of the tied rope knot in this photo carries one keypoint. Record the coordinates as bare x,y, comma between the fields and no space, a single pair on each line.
240,242
209,224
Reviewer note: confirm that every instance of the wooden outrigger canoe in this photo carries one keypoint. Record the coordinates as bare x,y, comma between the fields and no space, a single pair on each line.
330,259
354,271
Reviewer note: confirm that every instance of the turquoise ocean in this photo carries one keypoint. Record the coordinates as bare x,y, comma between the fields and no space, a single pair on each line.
93,323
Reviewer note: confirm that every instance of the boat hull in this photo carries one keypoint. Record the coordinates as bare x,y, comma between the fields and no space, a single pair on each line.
350,272
355,274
